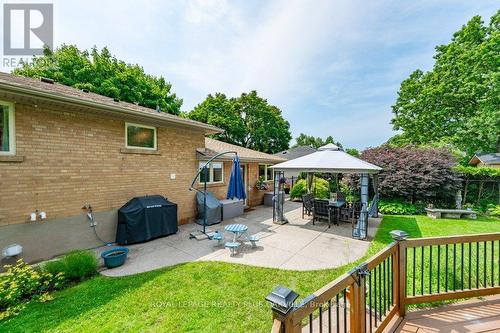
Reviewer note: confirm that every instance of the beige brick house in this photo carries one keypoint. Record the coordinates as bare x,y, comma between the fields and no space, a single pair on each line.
61,148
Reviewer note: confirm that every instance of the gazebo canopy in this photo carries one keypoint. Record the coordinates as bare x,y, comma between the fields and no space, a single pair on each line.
328,159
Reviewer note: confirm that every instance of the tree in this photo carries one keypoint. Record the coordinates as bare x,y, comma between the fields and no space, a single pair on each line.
457,101
353,152
248,120
104,74
415,173
219,111
316,142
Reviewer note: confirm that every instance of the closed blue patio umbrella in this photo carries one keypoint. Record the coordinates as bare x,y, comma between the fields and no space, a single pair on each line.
236,188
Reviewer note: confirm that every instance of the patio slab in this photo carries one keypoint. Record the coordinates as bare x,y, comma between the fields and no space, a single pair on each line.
298,245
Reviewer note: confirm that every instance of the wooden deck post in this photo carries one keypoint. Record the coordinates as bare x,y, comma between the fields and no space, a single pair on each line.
287,323
400,286
357,300
395,277
399,269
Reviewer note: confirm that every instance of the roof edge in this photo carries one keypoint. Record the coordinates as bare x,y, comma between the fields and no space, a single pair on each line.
327,170
209,129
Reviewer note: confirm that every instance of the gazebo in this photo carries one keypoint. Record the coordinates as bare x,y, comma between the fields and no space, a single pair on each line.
331,159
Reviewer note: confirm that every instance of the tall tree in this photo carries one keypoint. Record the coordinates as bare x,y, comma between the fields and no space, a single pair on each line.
248,120
458,101
316,142
104,74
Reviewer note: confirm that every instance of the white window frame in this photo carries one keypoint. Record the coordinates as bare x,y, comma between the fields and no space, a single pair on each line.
265,172
211,172
143,126
12,129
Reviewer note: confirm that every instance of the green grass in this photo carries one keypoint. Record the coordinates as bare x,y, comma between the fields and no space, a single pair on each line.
201,296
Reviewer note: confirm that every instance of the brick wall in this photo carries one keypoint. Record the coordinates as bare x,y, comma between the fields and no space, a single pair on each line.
72,158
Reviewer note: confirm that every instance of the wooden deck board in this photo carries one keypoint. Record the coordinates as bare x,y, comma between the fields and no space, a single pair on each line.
472,316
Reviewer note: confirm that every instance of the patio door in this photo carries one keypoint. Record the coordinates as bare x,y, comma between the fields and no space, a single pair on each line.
243,168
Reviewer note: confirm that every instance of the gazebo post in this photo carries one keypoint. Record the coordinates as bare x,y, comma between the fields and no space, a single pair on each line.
309,181
360,231
373,210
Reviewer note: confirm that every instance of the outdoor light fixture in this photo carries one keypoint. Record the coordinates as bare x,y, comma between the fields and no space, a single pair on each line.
36,215
398,235
12,250
282,299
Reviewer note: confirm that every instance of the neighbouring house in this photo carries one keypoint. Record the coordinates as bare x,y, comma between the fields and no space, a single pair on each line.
254,164
491,160
62,148
293,153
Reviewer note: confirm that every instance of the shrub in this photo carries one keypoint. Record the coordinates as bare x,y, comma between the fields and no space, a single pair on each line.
54,267
22,283
415,173
321,189
494,210
80,265
76,265
399,207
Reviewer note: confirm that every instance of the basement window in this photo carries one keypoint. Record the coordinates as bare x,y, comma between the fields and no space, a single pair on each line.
7,129
140,136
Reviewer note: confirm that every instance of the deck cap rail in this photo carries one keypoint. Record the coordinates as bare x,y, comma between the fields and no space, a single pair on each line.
415,242
381,255
321,296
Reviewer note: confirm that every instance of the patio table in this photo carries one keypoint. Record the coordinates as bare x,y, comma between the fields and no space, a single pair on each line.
335,205
236,229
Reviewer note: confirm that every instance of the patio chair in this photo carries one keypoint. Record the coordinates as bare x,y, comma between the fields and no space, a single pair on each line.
321,210
350,212
307,204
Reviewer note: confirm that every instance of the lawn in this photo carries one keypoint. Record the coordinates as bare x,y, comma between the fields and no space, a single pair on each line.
201,296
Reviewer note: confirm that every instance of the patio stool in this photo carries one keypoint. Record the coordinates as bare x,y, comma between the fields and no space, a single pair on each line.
253,239
232,246
218,237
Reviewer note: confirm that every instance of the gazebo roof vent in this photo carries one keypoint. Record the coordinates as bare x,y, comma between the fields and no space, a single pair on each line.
329,146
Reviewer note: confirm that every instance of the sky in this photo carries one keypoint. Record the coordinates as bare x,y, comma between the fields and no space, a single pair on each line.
332,67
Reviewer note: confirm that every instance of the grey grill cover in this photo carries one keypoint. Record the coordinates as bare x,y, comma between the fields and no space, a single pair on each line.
213,209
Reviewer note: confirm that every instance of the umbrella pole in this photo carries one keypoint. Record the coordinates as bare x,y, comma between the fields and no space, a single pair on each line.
205,203
191,188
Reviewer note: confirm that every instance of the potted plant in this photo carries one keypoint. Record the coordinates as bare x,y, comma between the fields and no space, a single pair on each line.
286,184
261,185
115,257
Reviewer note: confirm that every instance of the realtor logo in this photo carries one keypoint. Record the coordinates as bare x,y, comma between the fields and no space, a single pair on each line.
27,28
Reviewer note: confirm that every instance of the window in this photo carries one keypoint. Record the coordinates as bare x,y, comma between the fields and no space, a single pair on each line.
217,172
140,136
214,173
266,172
7,129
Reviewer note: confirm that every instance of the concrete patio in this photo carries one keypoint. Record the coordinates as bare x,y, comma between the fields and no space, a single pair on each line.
298,245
